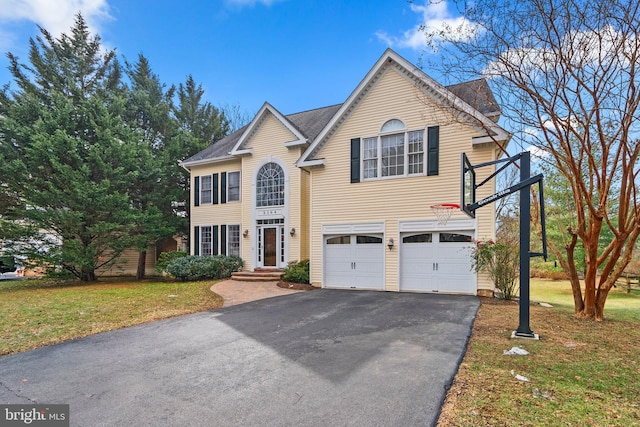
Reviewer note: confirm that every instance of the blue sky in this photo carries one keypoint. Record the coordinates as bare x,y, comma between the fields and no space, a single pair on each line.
295,54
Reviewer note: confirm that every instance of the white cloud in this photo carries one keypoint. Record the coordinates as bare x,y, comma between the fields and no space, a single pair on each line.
531,131
55,16
538,152
435,19
579,49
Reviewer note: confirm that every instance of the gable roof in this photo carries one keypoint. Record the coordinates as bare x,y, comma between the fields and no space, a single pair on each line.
306,124
218,151
312,122
464,99
472,100
266,110
477,94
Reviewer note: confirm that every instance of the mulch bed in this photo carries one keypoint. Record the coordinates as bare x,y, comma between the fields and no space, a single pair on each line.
297,286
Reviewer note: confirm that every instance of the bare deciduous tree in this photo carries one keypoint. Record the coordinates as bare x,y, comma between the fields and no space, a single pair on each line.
566,75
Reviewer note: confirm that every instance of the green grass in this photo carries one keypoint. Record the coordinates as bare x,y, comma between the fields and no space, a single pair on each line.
40,312
620,305
581,372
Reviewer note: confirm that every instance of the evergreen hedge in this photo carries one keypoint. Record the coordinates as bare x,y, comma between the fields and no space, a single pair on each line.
204,267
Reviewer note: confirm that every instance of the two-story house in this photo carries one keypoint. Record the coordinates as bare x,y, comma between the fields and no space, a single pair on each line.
350,186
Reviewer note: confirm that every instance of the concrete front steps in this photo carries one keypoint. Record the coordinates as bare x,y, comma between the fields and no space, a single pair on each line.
257,275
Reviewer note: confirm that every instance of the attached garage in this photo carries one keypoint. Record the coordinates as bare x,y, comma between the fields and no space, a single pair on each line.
354,261
437,261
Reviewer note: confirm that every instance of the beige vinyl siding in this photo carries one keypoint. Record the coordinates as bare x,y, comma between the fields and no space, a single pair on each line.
267,144
305,216
221,213
127,263
336,200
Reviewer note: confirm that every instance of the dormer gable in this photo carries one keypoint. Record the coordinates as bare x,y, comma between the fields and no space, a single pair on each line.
486,126
242,145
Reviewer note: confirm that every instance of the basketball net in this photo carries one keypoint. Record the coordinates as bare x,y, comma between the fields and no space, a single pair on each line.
443,211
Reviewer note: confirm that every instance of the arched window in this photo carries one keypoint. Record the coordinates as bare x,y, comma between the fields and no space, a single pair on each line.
392,125
270,186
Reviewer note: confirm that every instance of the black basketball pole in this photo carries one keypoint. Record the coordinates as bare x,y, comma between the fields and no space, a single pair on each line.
524,330
524,187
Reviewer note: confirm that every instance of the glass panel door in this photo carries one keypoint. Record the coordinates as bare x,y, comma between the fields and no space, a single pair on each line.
270,246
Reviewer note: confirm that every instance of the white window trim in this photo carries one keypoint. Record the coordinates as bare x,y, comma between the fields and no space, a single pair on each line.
239,186
406,173
284,186
201,240
229,239
210,189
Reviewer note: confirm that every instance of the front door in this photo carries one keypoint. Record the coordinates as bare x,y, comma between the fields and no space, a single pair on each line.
271,246
270,236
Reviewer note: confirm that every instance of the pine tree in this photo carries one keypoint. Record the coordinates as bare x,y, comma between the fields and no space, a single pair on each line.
68,155
149,114
201,124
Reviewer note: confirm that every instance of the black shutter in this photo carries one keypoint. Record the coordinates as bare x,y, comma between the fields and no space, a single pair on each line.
433,143
223,239
215,240
196,191
355,160
215,188
196,240
223,187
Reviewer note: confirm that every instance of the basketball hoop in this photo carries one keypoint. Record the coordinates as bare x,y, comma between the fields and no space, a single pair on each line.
443,211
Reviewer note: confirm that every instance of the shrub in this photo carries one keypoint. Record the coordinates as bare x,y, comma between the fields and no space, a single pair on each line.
297,272
204,267
166,258
502,263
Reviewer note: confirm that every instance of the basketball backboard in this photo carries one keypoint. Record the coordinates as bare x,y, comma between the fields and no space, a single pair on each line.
467,186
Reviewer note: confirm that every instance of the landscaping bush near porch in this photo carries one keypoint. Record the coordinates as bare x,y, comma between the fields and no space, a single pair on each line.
297,272
167,258
204,267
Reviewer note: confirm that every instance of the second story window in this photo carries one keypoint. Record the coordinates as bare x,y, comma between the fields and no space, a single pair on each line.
205,189
270,186
394,152
233,187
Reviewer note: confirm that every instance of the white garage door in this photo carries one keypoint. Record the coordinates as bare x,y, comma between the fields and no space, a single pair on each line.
354,261
437,262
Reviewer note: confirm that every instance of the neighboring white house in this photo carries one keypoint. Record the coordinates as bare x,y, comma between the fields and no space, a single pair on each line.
350,186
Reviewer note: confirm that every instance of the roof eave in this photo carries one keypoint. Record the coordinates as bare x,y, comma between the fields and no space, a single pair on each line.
310,163
242,152
296,143
187,165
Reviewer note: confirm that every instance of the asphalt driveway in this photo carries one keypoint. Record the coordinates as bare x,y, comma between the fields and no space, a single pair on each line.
319,358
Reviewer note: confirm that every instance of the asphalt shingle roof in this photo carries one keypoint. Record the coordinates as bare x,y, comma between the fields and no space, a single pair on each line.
477,94
309,123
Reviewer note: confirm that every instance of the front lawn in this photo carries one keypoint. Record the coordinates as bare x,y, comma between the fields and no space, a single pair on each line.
40,312
580,372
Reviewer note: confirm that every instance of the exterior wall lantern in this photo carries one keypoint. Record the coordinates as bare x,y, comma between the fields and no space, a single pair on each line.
245,233
292,232
390,243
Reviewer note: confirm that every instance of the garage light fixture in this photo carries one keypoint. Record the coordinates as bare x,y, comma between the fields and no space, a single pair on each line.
245,233
390,243
292,232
